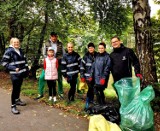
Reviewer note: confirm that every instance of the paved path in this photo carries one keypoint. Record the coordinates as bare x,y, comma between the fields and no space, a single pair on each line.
36,117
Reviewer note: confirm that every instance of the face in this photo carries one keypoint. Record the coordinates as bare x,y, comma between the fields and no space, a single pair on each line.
70,47
54,38
15,43
50,53
115,43
91,50
101,49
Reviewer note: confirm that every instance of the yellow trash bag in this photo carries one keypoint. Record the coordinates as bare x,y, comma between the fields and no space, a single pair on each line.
99,123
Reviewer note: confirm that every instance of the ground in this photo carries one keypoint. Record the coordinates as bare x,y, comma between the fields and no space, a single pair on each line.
30,90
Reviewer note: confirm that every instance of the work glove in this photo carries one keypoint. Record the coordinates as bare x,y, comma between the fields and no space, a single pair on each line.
139,75
90,79
83,79
102,81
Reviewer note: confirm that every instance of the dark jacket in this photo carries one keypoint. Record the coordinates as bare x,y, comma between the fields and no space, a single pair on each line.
70,65
101,69
122,60
12,60
86,64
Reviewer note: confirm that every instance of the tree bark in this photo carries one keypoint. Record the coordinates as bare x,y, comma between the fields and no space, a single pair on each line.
144,45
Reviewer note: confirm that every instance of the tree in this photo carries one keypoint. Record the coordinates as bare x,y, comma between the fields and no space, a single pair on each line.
144,45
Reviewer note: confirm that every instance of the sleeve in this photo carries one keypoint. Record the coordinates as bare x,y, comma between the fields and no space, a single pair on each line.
64,67
44,64
135,61
82,67
79,61
107,68
56,63
6,61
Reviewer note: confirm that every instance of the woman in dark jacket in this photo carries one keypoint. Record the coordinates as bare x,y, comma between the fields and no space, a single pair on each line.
100,72
15,62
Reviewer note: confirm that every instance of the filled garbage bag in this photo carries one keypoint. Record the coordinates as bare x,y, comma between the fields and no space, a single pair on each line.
127,89
99,123
137,114
110,112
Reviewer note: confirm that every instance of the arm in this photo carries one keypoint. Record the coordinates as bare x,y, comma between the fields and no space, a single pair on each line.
44,64
107,68
82,68
64,68
56,63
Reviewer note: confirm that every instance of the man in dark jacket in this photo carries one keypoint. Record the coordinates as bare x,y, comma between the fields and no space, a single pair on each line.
85,70
122,59
70,69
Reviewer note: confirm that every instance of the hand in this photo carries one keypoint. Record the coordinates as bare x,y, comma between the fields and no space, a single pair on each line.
66,78
83,79
140,76
102,81
90,79
17,69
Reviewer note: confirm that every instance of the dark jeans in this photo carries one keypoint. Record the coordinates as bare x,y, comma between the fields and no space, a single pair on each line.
16,83
52,87
100,94
90,92
72,90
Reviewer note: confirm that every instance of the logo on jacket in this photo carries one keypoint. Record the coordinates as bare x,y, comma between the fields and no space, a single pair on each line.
124,58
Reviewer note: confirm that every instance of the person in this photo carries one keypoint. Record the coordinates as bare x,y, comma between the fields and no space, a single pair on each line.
100,72
59,52
51,73
70,69
122,59
85,70
15,62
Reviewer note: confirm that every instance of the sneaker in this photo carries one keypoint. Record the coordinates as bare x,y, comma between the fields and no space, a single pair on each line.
20,103
50,98
14,110
39,96
54,99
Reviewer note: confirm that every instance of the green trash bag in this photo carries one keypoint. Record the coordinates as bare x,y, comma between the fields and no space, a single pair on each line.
127,89
136,115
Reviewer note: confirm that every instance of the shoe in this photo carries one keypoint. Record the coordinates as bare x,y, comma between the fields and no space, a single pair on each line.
50,98
20,103
54,99
39,96
61,96
14,110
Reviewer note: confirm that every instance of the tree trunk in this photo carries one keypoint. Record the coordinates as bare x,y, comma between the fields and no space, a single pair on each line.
144,45
35,65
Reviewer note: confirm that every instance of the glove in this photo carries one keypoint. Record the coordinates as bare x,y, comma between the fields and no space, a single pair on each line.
102,81
140,76
83,79
90,79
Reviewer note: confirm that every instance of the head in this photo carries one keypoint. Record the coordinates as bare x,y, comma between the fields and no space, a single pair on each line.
50,52
116,42
15,43
101,47
53,37
70,47
91,48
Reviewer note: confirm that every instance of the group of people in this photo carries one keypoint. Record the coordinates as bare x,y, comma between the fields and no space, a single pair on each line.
94,68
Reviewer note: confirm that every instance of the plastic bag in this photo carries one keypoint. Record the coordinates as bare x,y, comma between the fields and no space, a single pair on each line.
127,89
99,123
136,114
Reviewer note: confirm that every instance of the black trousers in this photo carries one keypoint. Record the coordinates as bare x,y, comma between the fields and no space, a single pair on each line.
52,87
90,92
72,90
16,83
99,94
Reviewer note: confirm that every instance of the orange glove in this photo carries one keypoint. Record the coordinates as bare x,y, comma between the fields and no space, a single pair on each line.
140,76
102,81
83,79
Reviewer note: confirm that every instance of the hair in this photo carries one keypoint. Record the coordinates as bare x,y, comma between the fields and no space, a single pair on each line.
103,44
115,37
91,45
53,34
12,39
70,43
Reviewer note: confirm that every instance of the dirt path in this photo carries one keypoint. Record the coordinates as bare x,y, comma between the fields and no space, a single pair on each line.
36,116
